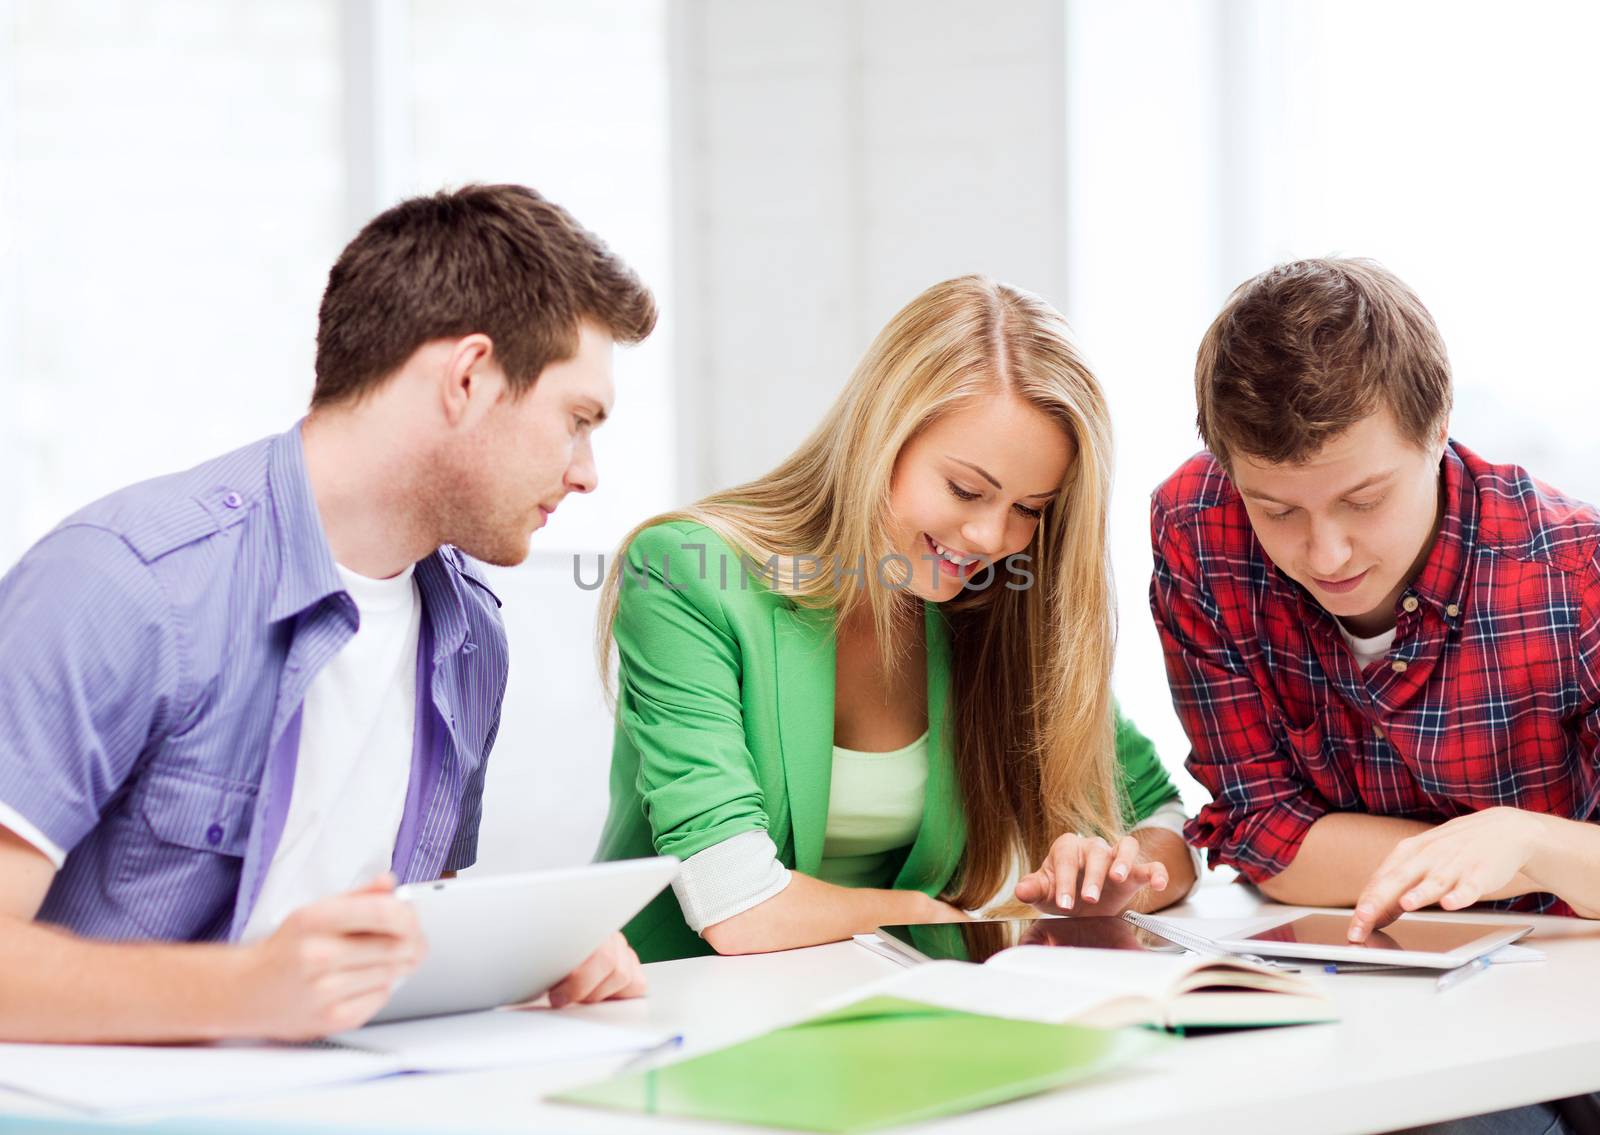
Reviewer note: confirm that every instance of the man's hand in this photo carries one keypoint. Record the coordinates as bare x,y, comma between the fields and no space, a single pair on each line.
611,972
330,966
1456,864
1085,875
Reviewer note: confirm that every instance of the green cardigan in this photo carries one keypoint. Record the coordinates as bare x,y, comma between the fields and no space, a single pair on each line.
725,725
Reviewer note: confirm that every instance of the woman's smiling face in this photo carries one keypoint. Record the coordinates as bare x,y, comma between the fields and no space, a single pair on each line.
969,490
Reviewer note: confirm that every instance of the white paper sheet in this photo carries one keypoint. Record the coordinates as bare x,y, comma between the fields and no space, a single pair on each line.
147,1078
495,1039
152,1080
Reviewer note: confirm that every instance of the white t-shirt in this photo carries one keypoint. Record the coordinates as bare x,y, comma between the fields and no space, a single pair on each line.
354,767
1369,650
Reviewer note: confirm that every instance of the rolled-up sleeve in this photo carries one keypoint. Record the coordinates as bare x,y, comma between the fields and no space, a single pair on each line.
729,878
679,703
88,676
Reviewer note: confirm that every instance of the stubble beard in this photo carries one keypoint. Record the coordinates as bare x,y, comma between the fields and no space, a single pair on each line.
472,516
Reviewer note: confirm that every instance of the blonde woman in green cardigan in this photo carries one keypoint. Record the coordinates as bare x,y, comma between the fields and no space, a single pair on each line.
873,686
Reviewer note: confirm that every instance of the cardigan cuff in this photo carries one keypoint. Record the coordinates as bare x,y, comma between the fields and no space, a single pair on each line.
729,878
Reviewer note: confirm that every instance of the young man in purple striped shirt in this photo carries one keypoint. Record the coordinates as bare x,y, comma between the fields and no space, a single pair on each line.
239,703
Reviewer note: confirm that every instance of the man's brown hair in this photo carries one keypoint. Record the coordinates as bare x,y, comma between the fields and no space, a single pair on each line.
1304,351
498,260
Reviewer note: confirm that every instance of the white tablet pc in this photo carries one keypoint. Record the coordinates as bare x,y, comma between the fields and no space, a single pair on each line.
508,938
1431,941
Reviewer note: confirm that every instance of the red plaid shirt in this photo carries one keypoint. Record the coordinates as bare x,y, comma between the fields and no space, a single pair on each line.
1490,695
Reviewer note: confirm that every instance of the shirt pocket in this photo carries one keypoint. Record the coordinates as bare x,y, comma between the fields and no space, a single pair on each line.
1318,750
1306,742
184,853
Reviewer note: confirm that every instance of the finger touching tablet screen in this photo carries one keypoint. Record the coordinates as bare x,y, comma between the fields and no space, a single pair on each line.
1418,940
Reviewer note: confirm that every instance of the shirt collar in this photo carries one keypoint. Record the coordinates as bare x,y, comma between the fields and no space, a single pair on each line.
1444,575
441,600
306,574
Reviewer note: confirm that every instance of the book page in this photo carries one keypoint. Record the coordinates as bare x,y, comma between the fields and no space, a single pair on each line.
1001,992
1106,972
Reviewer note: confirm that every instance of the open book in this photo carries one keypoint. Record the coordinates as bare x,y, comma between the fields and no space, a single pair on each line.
1111,988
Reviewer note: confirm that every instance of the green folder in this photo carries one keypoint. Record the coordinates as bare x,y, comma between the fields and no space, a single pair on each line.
874,1064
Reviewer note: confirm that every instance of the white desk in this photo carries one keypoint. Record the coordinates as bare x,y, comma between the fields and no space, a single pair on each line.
1402,1055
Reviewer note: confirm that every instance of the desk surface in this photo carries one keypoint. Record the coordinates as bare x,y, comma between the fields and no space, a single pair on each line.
1402,1055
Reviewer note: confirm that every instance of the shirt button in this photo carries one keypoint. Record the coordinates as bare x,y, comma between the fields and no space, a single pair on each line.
233,500
1398,666
1377,732
1410,603
214,834
1452,610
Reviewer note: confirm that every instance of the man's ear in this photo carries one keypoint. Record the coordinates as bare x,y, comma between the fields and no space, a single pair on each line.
471,381
1441,438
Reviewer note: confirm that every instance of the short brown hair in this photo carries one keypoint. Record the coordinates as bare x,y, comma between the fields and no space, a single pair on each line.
1306,350
499,260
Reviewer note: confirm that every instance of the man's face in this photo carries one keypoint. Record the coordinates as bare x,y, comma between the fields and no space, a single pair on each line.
507,475
1352,524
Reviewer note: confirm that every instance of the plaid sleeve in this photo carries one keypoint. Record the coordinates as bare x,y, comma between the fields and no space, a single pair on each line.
1146,785
1261,806
1589,664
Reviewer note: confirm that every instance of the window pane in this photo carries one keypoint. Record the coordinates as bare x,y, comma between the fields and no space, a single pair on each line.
174,208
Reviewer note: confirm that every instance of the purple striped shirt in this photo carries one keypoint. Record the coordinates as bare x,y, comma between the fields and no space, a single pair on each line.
155,651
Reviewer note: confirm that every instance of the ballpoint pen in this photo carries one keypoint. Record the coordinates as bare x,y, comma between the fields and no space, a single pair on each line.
1456,976
669,1044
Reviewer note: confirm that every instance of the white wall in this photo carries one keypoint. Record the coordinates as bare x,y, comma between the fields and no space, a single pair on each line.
546,794
1149,244
834,159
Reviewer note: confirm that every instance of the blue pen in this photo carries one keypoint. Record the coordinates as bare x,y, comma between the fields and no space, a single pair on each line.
649,1054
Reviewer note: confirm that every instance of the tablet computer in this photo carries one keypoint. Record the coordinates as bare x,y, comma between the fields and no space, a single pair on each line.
980,939
1430,941
508,938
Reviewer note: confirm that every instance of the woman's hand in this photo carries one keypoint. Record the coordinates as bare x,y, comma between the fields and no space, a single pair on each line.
1086,875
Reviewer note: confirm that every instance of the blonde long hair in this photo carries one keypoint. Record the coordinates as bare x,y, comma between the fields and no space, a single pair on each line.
1032,719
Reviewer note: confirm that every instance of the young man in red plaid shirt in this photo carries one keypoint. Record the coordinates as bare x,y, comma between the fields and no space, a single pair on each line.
1384,648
